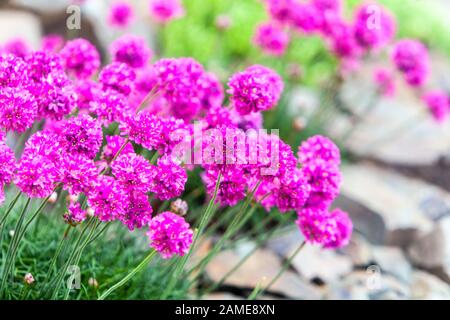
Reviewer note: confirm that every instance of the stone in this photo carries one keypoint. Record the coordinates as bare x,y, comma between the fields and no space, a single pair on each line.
286,241
394,197
328,265
358,250
426,286
392,260
393,130
260,269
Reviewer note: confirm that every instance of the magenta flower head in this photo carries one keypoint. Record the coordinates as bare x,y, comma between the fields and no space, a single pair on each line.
50,85
164,11
280,10
52,43
133,172
107,199
120,14
7,164
38,170
80,58
342,40
384,79
112,147
181,83
211,89
305,18
78,173
110,106
328,5
168,179
411,58
319,147
132,50
12,71
118,76
75,214
437,102
86,91
17,47
271,39
255,89
374,26
138,213
292,192
18,109
82,135
170,234
329,229
232,187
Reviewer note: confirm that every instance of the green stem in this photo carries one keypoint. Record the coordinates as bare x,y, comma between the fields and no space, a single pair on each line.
58,251
11,206
154,158
11,249
140,266
203,223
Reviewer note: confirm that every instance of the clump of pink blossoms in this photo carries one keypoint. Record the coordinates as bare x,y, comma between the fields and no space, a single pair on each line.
131,50
255,89
170,234
120,14
165,10
80,58
438,102
271,38
411,58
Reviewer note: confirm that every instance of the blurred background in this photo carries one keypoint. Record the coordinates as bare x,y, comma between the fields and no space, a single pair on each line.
396,158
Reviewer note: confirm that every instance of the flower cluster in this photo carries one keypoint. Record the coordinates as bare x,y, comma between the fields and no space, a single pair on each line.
411,59
81,59
170,234
255,89
271,38
164,11
120,14
131,50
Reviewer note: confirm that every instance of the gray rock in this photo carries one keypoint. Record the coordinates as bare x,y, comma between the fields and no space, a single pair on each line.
358,250
327,265
260,269
393,261
427,286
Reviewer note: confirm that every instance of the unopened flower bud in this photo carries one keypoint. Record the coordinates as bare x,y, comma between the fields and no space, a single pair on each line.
72,198
53,197
28,279
90,212
92,282
179,207
299,123
223,22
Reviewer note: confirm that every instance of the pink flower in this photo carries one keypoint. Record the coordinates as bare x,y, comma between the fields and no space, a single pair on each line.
319,147
38,169
108,200
110,106
411,58
329,229
181,82
437,102
18,109
272,39
112,147
133,172
374,26
138,212
118,76
17,47
280,10
120,14
78,173
385,81
305,18
291,193
232,187
52,43
80,58
7,164
12,71
155,133
82,135
132,50
75,214
166,10
255,89
168,179
170,235
87,91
